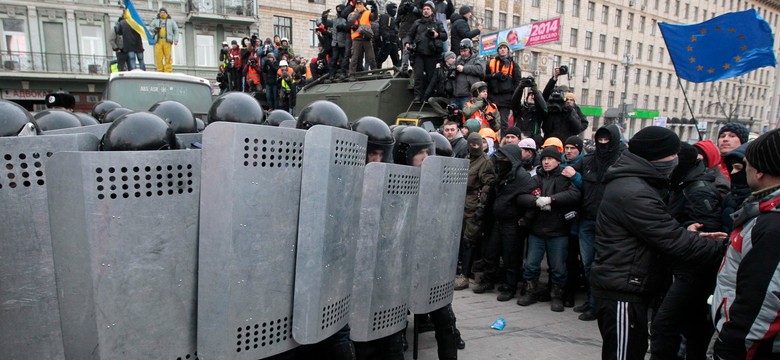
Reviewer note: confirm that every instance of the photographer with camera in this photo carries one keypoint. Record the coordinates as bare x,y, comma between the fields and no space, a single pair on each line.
408,12
460,26
439,90
529,114
469,68
269,70
564,118
427,35
503,77
362,34
481,108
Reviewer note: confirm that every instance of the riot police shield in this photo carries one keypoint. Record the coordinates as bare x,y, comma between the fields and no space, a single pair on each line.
97,130
249,219
187,140
331,187
387,218
125,232
29,314
437,233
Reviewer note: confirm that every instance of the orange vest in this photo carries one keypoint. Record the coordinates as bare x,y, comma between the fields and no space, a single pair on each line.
495,66
480,114
252,76
362,20
289,71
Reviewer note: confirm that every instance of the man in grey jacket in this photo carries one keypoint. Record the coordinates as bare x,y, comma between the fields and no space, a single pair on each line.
469,68
166,34
117,44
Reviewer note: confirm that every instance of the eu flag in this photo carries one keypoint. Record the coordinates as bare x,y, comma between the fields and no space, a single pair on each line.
722,47
135,22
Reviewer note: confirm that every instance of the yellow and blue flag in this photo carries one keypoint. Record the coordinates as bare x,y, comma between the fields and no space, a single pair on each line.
723,47
136,22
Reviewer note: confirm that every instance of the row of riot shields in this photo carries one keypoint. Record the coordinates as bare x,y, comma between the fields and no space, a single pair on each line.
265,239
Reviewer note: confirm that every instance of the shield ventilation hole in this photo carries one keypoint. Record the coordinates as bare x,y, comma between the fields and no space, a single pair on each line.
388,318
349,153
139,181
23,170
272,153
454,175
400,184
441,292
263,335
335,312
193,356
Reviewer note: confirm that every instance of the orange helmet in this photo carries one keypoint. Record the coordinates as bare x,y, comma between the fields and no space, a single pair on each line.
488,133
553,141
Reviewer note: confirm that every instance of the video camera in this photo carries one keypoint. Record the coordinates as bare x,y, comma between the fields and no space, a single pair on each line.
528,81
555,102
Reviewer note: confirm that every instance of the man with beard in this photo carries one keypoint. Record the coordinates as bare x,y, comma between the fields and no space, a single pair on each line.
588,176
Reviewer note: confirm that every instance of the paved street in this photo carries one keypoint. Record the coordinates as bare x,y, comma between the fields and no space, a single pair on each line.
532,332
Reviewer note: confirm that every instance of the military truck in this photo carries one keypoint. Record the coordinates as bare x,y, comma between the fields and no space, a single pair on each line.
384,93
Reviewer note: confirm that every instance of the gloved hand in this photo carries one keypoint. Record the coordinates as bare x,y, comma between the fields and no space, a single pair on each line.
503,77
546,208
543,201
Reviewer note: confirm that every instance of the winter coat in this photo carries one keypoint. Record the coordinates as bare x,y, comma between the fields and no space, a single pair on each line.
503,77
634,230
406,18
696,200
115,39
592,170
473,71
341,32
388,29
171,29
269,73
440,85
480,180
443,10
565,197
510,186
424,44
739,190
745,304
460,30
460,146
132,41
529,118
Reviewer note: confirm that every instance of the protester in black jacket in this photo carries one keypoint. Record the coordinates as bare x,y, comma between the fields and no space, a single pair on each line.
735,163
556,199
439,90
529,113
427,37
460,26
633,231
507,239
388,36
693,198
503,77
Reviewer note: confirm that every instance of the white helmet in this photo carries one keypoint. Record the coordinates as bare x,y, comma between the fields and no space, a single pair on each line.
284,39
283,63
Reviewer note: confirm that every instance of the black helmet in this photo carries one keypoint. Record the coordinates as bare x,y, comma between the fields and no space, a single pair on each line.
443,146
102,107
237,107
411,141
390,6
86,119
178,116
200,124
114,114
322,112
56,119
475,88
466,44
138,131
13,118
379,136
276,117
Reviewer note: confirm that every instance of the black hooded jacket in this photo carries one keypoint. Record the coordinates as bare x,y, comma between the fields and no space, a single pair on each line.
634,230
509,186
593,167
695,199
460,30
565,197
529,118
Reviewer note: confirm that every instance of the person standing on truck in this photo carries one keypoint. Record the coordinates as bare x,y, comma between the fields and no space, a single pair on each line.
166,34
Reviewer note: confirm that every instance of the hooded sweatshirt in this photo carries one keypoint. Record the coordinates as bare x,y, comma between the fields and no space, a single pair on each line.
715,162
481,177
593,168
511,182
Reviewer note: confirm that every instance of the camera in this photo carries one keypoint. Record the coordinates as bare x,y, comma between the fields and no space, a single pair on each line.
452,73
563,70
431,33
527,81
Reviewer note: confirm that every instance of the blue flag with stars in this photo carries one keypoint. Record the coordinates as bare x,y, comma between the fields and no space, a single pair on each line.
723,47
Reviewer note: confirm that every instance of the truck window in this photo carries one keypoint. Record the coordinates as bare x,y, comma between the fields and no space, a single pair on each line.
141,94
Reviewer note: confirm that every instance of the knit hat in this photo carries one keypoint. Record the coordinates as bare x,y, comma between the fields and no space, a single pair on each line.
742,132
475,139
429,4
234,42
687,156
514,130
764,153
163,9
569,96
654,142
553,141
465,9
449,54
574,140
551,151
527,143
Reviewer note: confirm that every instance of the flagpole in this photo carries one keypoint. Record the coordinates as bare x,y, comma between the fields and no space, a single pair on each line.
693,117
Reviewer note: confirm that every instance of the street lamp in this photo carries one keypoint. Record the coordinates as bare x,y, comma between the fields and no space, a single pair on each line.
628,62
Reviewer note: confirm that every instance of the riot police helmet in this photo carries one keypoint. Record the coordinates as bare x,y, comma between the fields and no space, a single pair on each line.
236,107
86,119
443,146
412,146
396,130
466,44
53,119
102,107
276,117
138,131
322,112
114,114
14,118
178,116
380,138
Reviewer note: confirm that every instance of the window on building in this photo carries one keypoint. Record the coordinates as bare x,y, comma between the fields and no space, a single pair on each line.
488,19
611,99
613,72
630,20
646,102
649,52
642,20
584,96
676,7
618,17
602,42
556,61
535,3
654,26
502,21
649,77
696,14
660,54
635,99
666,103
639,50
92,42
575,8
627,48
591,10
638,76
573,38
675,104
282,27
656,100
559,6
687,9
659,79
605,14
600,71
668,81
588,40
586,69
573,66
313,41
597,101
206,54
666,6
515,21
615,45
655,4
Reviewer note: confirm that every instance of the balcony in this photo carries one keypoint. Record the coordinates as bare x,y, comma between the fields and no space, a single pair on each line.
236,12
29,63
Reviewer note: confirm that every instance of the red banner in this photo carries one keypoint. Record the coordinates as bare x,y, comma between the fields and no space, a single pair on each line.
545,32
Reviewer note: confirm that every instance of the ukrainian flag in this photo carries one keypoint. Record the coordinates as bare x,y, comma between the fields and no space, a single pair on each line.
135,22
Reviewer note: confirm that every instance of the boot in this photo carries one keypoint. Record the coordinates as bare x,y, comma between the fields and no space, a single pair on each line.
568,299
483,286
506,294
529,293
461,282
556,296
